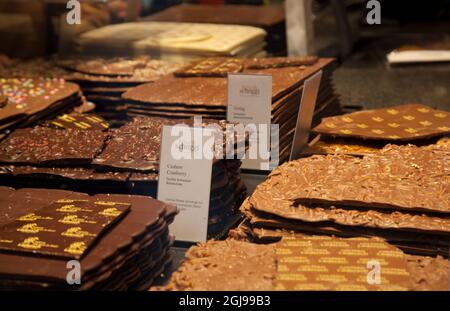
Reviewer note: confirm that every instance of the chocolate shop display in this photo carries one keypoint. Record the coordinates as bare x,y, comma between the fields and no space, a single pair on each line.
121,241
400,194
123,160
201,88
305,263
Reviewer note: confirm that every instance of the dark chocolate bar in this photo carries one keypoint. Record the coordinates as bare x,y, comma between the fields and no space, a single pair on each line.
42,145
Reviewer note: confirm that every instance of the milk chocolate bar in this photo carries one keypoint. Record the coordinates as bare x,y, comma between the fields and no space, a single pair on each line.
328,263
398,177
262,227
211,67
398,123
172,90
225,265
305,263
354,217
42,145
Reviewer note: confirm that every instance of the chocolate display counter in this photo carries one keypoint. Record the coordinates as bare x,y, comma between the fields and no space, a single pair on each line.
80,161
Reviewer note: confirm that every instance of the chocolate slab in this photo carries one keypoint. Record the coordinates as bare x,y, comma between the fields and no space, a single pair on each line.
267,228
353,217
399,177
41,145
329,263
278,62
29,96
141,142
225,265
113,67
211,67
212,91
73,173
65,228
78,121
398,123
121,71
428,273
144,213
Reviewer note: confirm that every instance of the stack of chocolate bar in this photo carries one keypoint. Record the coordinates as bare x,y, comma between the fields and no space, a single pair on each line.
307,263
123,160
103,81
25,101
368,131
400,194
63,240
173,41
201,89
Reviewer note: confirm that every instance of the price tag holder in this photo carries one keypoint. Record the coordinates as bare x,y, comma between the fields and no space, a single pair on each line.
305,114
250,102
185,179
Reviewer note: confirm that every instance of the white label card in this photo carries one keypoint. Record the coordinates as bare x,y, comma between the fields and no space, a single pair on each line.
305,114
250,102
185,179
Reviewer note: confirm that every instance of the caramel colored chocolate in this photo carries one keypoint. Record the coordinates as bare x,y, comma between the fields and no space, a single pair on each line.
305,263
354,217
225,265
444,141
328,263
428,273
340,146
41,145
398,177
398,123
211,67
264,227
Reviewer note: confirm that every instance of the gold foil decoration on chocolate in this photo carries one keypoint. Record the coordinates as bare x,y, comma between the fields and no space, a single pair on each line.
328,263
405,122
